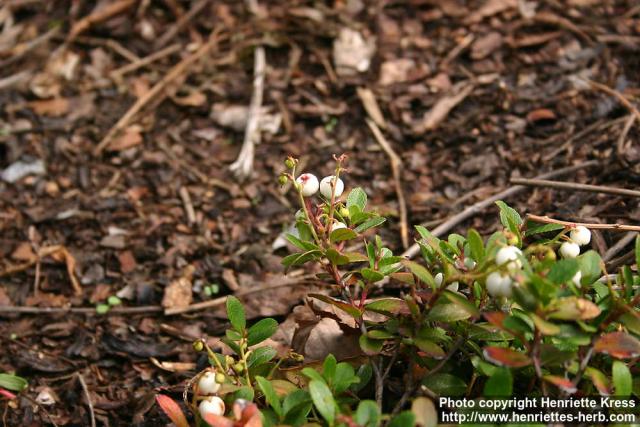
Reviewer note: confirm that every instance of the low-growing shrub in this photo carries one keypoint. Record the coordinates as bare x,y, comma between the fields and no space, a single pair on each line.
528,311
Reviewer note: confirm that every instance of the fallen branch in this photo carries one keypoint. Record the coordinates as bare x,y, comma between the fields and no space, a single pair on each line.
157,91
616,227
575,186
396,165
478,207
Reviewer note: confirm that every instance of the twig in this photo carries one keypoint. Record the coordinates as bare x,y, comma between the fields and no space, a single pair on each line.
243,166
616,227
180,23
216,302
157,91
188,205
575,186
24,48
478,207
620,97
88,397
396,165
104,13
619,245
620,145
13,309
118,73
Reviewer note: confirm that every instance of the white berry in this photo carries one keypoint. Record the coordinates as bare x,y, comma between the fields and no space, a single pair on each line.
580,235
211,405
498,284
509,255
326,185
308,184
438,278
453,287
569,250
577,278
207,383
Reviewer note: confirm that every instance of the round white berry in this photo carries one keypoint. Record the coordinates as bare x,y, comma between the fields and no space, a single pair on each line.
438,278
577,278
469,263
212,405
207,383
580,235
497,284
326,185
569,250
506,288
453,287
308,184
509,255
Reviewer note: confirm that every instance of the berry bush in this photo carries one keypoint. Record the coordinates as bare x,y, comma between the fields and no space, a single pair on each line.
526,311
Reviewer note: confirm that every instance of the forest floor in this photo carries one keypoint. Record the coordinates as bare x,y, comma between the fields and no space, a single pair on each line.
118,125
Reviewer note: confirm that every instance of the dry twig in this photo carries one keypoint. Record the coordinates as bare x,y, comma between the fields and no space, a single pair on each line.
85,389
575,186
104,13
158,90
396,165
478,207
619,245
616,227
243,165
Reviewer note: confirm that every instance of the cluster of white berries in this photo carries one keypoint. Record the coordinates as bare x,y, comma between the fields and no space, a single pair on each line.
578,236
499,284
309,185
209,384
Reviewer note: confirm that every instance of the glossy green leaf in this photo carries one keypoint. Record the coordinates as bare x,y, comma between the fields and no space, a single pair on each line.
500,384
370,223
368,414
445,384
344,376
336,258
371,275
370,346
342,234
622,380
300,244
300,258
430,348
475,244
270,395
563,271
13,382
358,198
323,400
329,368
387,306
462,302
261,355
235,313
262,330
448,312
420,272
403,419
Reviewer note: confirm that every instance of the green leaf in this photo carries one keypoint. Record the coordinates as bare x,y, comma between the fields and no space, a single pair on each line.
295,399
590,266
430,348
370,346
235,313
371,275
13,382
270,394
346,307
329,368
638,251
344,376
461,301
323,400
445,385
313,374
388,306
403,419
262,330
631,321
622,380
563,271
448,312
102,308
358,198
299,258
261,355
300,244
421,273
336,258
545,228
475,244
370,223
368,414
509,213
500,384
342,234
572,308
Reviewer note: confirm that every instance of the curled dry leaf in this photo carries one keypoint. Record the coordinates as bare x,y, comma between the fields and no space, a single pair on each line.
352,52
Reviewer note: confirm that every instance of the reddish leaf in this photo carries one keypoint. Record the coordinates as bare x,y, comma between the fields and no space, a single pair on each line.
506,357
618,344
218,421
7,394
495,318
562,383
346,307
599,380
172,409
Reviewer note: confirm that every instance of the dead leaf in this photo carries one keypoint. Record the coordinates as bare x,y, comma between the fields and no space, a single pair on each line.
491,8
61,254
127,262
540,114
24,252
179,293
174,366
352,52
486,45
130,138
443,107
55,107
